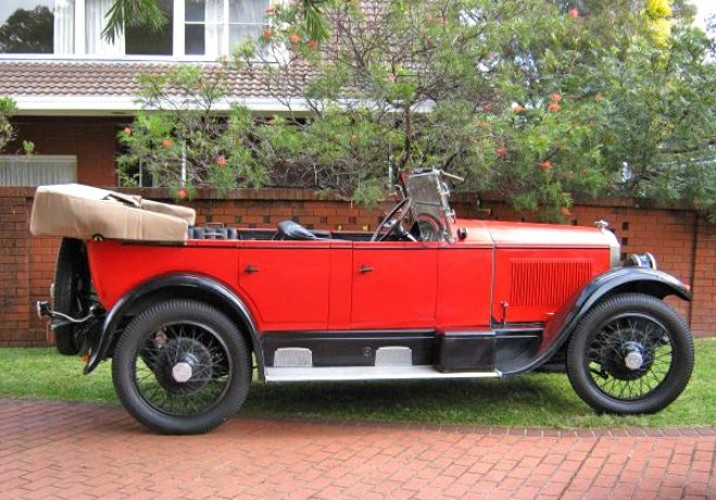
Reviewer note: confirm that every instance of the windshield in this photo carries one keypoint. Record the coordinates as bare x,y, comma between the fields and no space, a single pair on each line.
429,193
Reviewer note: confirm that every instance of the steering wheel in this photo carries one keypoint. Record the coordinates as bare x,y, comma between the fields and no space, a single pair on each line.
393,221
430,228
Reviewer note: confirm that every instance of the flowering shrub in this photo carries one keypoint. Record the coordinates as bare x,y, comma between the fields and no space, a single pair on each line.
7,133
537,100
181,142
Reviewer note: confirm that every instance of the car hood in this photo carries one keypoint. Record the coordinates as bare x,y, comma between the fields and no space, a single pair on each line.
531,235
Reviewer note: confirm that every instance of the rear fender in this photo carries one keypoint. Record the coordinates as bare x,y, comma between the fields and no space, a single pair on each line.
175,285
560,328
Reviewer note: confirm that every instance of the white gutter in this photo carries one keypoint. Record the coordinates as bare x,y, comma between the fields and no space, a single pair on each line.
73,105
64,105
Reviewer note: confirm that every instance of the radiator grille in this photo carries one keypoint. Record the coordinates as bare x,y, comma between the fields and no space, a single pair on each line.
544,282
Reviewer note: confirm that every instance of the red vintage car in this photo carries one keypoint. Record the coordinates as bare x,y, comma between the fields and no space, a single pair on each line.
426,296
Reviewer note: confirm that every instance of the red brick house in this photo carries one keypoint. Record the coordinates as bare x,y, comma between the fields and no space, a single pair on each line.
74,89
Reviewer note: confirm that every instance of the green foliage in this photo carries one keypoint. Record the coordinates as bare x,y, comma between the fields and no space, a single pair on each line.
182,142
124,13
539,100
7,132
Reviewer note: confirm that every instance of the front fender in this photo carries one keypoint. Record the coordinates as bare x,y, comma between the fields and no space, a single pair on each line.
189,285
620,280
558,330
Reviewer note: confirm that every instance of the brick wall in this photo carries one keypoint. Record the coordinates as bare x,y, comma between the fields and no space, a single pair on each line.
684,244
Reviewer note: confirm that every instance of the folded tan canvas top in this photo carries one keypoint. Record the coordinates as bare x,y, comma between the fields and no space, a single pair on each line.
77,211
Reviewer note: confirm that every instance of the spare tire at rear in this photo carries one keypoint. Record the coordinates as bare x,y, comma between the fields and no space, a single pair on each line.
71,292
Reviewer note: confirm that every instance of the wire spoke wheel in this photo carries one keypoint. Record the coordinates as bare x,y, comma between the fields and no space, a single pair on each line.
182,367
630,354
630,357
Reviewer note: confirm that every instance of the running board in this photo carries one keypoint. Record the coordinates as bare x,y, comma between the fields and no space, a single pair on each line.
346,373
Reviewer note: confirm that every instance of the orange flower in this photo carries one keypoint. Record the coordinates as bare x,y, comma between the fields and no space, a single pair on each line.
270,9
556,97
573,13
182,193
267,34
221,160
518,108
127,130
294,38
501,152
553,106
167,143
313,44
545,165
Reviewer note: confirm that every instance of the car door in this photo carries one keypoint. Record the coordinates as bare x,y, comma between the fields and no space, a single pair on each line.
286,283
394,285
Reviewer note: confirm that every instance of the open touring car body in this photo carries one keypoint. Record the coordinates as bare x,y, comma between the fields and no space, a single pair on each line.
427,295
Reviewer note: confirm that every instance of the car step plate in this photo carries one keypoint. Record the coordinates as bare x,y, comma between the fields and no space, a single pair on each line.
328,373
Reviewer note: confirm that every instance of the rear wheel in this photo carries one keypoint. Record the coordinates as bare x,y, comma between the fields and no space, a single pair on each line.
71,293
181,367
631,354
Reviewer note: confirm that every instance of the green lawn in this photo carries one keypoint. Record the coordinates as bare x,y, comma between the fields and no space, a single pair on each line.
539,399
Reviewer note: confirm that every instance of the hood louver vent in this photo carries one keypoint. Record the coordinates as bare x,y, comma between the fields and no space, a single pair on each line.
544,282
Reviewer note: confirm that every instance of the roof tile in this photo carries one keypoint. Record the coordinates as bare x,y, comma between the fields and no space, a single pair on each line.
86,78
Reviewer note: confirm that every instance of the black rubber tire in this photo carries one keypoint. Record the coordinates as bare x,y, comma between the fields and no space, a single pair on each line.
646,310
222,338
72,283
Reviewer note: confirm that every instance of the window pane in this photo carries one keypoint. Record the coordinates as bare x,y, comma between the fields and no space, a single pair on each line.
142,40
204,28
194,40
239,33
248,11
37,170
194,10
26,26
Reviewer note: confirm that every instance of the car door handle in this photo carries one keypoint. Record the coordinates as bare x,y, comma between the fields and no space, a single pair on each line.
365,269
250,269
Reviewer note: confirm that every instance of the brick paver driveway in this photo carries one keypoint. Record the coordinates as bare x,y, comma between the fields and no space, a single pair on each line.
56,449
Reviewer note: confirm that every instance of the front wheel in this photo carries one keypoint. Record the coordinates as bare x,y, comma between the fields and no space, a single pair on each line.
181,367
631,354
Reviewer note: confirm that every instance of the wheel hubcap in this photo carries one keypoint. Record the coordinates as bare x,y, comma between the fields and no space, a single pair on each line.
184,364
634,360
182,372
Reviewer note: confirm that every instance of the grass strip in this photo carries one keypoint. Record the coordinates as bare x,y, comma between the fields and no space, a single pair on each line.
532,400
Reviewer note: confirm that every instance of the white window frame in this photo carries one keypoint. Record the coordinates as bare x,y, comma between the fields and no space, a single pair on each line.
178,38
180,24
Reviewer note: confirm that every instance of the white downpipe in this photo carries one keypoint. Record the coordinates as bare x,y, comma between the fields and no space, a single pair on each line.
183,164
